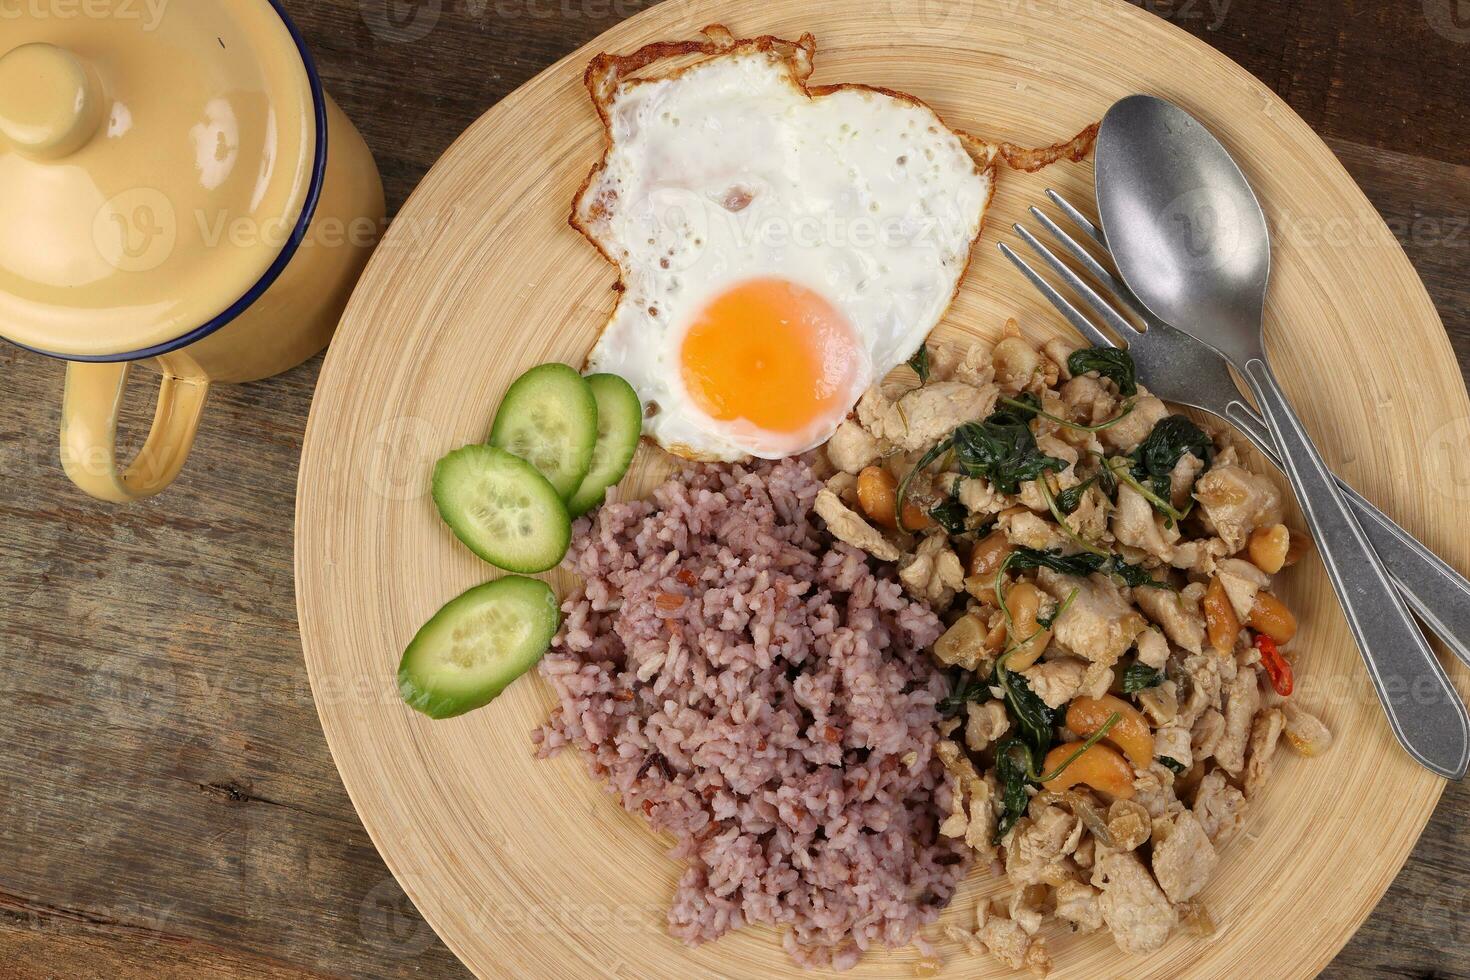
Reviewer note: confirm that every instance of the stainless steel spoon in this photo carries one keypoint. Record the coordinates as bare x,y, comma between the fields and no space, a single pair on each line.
1190,239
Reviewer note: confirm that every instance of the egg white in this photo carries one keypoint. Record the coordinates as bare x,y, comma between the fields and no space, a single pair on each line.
732,170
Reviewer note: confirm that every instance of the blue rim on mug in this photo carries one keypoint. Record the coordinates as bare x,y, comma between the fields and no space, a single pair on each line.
288,251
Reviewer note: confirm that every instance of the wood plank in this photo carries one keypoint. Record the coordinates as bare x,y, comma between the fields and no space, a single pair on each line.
1426,203
40,951
167,803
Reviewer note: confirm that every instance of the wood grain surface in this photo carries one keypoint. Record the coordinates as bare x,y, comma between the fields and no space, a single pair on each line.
167,803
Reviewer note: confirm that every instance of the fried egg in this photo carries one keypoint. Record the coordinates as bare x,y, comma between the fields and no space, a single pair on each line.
780,247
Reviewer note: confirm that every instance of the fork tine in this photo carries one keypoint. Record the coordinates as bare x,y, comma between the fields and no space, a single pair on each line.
1102,307
1084,258
1077,217
1112,283
1074,316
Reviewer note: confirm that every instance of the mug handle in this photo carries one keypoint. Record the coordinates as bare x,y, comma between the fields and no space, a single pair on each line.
94,394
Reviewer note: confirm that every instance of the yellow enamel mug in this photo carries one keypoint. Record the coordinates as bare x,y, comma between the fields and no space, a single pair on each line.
176,189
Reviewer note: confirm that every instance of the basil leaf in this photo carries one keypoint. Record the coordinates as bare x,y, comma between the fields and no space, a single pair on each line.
1141,677
1013,764
1155,458
1173,765
951,515
968,688
1003,450
1112,363
1071,498
1034,720
920,363
1082,565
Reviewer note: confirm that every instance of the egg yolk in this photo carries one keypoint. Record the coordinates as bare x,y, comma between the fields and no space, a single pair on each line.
771,353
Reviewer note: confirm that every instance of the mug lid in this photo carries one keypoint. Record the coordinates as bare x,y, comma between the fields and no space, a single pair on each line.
159,163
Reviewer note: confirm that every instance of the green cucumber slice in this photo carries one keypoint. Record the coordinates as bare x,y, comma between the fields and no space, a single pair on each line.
619,427
549,419
502,509
477,645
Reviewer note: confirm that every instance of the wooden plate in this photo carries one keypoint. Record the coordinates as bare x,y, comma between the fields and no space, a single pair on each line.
526,868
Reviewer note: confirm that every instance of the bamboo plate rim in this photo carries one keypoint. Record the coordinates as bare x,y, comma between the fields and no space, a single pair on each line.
527,868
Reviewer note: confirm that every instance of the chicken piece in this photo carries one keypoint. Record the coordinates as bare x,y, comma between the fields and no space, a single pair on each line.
1098,680
1039,846
1219,808
933,574
1038,959
944,359
965,779
977,496
1185,859
1090,519
1304,731
1002,938
956,763
1153,649
975,368
1129,824
1124,437
1154,791
1054,447
1241,581
1182,479
1025,912
1086,850
1236,501
1088,400
1077,903
1242,701
1174,743
926,415
844,485
1029,531
980,833
1177,612
871,410
852,449
1056,681
1206,735
1134,908
1059,351
985,724
1137,525
1099,625
849,527
1265,734
1160,704
1200,680
956,820
1199,555
1229,666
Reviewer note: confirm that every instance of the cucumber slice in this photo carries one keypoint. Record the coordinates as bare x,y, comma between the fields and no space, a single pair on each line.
476,645
502,509
619,426
549,419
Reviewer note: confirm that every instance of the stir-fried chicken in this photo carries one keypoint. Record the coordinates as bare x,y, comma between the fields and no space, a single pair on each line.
1113,710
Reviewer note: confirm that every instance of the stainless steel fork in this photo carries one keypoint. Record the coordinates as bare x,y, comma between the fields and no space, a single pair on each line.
1177,368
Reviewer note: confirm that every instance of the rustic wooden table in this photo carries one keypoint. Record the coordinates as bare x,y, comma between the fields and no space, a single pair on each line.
167,803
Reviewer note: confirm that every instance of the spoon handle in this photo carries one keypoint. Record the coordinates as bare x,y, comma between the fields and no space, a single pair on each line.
1424,711
1439,595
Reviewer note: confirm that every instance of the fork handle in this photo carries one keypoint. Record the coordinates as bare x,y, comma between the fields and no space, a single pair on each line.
1424,710
1439,595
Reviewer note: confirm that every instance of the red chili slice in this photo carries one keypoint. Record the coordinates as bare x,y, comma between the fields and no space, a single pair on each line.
1276,665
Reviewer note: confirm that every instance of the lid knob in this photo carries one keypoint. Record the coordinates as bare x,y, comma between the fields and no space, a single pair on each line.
50,101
